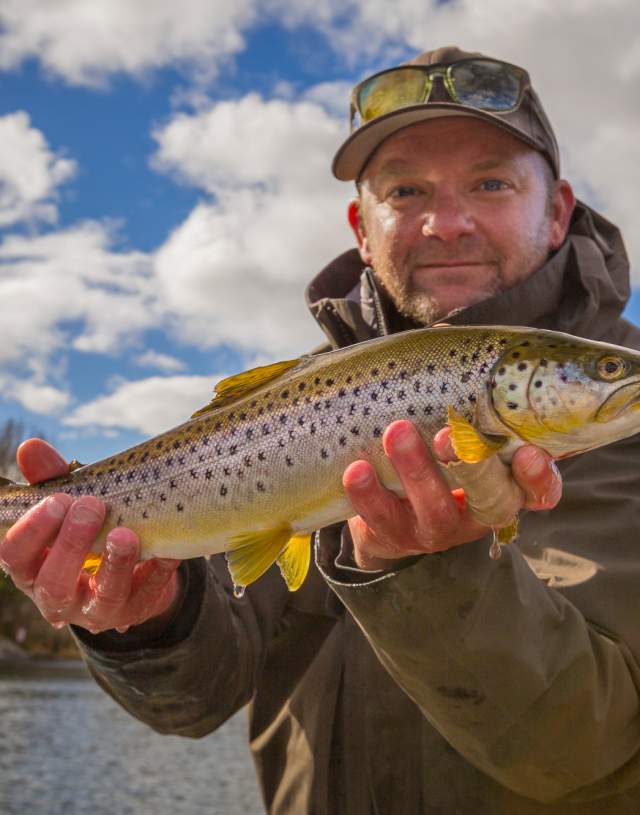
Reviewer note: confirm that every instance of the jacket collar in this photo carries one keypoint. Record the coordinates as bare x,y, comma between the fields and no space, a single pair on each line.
581,289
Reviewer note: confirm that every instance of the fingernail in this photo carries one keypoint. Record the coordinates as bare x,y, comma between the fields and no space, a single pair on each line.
84,514
535,464
404,438
55,507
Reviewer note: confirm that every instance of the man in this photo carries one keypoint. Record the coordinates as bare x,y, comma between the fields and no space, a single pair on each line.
428,678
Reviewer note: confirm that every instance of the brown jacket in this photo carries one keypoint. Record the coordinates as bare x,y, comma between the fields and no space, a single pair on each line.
457,684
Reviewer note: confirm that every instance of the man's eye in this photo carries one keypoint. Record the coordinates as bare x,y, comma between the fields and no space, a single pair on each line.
403,192
493,185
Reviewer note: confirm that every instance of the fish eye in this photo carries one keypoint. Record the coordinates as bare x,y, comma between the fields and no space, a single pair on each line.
611,368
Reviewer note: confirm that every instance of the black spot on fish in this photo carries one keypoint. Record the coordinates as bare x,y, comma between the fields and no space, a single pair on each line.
525,344
193,473
466,376
401,394
355,431
176,444
472,398
324,453
302,386
375,371
284,394
431,368
289,461
130,476
180,459
522,366
163,497
208,474
223,490
180,507
512,387
416,386
260,486
342,441
248,433
411,410
391,365
145,514
512,405
312,427
515,355
374,396
543,363
489,349
452,352
366,410
301,421
444,387
127,500
330,382
173,484
377,432
118,479
144,457
261,456
428,410
317,380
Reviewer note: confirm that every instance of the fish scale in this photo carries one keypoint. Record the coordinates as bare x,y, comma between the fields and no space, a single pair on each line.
263,463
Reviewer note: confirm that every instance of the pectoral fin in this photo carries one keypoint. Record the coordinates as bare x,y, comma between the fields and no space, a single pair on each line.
469,443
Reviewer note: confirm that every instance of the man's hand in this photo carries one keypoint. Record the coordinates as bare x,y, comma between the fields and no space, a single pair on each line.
44,552
430,518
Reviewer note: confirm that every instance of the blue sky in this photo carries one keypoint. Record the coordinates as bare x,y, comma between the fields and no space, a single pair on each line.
165,191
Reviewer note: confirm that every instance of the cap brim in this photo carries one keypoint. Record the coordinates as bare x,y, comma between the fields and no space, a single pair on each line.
356,151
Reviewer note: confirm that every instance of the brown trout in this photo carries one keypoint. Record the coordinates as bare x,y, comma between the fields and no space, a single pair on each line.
253,473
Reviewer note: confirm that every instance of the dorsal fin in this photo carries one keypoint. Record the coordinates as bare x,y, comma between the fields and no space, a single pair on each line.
239,385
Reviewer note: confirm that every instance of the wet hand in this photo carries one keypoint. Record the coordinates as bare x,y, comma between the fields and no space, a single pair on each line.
45,550
430,518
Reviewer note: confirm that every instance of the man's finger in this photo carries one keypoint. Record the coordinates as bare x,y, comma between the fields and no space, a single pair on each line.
538,477
110,587
56,586
39,461
23,548
151,593
383,513
428,493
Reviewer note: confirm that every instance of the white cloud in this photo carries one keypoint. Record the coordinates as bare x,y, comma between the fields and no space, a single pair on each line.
149,406
277,218
84,42
72,276
37,398
29,172
164,362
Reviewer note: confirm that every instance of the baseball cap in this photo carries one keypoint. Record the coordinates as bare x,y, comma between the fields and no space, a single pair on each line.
527,122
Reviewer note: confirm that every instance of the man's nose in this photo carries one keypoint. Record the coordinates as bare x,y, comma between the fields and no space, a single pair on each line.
447,217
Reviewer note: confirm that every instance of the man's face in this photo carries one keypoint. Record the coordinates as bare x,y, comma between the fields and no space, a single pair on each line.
454,210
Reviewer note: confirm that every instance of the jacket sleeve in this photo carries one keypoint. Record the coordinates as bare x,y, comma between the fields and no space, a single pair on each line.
202,668
536,686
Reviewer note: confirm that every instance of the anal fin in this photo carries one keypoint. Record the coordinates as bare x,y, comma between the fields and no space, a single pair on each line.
294,561
250,554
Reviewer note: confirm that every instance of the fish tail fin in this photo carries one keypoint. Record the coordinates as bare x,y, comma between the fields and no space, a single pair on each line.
294,561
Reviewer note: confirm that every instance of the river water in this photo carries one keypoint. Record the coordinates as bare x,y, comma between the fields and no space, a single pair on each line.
66,748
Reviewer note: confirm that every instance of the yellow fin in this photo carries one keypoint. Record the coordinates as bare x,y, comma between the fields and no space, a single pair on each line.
469,444
91,563
507,534
294,561
234,387
249,555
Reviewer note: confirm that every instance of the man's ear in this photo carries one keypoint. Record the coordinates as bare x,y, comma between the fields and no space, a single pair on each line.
562,206
354,216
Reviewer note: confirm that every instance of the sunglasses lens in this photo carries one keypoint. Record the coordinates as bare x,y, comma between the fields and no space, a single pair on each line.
487,85
390,91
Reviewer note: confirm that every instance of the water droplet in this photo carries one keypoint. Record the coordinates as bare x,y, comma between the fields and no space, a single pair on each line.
122,629
495,550
238,591
58,626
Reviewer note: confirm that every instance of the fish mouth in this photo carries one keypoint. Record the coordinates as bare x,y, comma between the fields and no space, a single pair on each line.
625,398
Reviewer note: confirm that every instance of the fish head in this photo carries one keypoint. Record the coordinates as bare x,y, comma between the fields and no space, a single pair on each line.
566,394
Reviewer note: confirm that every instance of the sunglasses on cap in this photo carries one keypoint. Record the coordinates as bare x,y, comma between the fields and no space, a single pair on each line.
484,84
